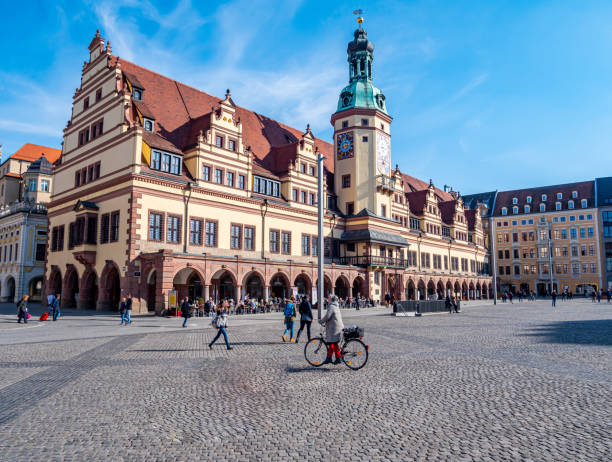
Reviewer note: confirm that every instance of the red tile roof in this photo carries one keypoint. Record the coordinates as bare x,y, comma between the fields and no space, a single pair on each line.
181,112
470,217
13,175
585,189
412,184
416,200
447,211
31,152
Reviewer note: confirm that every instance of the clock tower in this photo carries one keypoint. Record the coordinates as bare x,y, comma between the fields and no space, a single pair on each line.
362,140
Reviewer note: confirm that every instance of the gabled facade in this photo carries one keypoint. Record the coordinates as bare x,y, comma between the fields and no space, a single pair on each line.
163,187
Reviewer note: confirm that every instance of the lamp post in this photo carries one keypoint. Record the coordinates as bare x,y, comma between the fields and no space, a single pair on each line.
333,227
190,185
264,210
320,206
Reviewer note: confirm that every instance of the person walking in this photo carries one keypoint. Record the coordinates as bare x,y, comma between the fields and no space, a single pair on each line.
56,307
305,317
123,310
554,298
599,296
609,295
333,330
219,322
454,304
289,312
185,310
128,310
510,297
448,304
22,310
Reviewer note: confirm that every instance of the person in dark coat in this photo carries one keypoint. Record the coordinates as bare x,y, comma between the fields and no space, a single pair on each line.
122,310
448,304
185,310
305,317
22,310
56,307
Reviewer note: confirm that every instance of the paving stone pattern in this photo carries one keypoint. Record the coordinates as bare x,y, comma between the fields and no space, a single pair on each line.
506,383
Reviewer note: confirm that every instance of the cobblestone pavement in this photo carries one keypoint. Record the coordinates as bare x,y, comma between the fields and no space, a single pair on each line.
511,382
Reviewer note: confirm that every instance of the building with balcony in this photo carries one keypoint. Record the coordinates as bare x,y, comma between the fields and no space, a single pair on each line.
25,185
603,195
162,187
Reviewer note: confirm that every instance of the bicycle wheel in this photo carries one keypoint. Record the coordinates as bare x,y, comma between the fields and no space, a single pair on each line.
315,351
355,354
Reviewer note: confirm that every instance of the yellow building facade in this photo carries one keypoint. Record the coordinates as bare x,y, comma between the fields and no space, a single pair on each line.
161,187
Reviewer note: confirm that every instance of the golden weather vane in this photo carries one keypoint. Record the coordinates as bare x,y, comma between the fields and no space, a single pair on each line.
359,12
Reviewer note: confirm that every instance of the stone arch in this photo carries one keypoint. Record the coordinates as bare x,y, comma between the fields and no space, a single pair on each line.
224,285
303,284
341,287
279,285
188,282
471,291
449,288
410,290
359,288
421,293
70,287
464,290
327,285
485,291
54,285
88,290
110,287
35,287
440,289
478,293
431,289
151,282
9,288
253,284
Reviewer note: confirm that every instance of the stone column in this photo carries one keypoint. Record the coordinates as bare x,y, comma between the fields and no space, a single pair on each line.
237,292
206,292
267,292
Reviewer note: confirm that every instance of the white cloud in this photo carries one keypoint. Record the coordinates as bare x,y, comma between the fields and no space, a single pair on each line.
470,86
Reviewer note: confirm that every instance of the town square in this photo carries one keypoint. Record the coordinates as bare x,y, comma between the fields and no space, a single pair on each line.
262,230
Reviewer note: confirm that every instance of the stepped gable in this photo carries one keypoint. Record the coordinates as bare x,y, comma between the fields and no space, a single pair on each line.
182,111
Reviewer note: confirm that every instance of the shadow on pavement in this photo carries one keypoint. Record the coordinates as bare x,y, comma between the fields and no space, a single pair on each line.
590,332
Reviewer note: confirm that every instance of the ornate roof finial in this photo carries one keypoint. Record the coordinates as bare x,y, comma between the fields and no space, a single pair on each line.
359,12
201,136
97,33
430,182
227,94
108,46
308,129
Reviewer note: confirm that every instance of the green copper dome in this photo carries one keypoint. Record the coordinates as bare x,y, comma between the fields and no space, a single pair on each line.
360,93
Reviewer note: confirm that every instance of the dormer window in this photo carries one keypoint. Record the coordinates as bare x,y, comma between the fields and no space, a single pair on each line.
574,194
504,211
529,199
515,210
137,94
584,203
148,125
570,204
166,162
542,207
559,196
527,209
558,205
544,197
514,200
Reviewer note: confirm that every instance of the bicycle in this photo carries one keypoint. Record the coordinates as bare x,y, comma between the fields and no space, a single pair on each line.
354,352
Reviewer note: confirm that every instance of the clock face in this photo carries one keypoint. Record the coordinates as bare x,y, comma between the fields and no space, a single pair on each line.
344,145
383,154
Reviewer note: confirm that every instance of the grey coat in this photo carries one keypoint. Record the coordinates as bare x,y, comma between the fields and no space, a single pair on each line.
333,323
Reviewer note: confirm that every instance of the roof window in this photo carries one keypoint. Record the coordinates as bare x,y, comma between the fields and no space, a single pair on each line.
137,94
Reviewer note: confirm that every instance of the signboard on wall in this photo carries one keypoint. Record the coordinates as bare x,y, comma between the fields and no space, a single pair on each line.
172,299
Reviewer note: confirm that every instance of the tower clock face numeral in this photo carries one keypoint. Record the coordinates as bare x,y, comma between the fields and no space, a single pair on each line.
344,146
383,154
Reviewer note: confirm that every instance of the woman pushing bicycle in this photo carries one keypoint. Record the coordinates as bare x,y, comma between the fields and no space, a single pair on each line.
333,330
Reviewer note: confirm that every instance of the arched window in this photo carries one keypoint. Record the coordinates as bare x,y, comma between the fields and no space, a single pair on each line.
515,210
557,205
584,203
570,204
574,194
527,209
504,211
559,196
529,199
514,200
544,197
542,207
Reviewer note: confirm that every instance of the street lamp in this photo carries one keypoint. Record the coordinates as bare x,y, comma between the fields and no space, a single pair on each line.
333,220
320,205
264,210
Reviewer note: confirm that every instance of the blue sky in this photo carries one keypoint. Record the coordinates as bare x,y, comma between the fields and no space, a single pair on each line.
484,94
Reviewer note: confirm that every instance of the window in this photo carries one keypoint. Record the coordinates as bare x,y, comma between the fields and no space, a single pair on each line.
364,139
557,205
241,182
268,187
364,122
165,167
529,199
311,198
573,233
582,233
344,123
350,208
559,196
514,200
232,145
175,165
148,125
219,141
570,204
314,244
286,242
105,228
542,207
583,203
32,186
92,228
574,194
274,235
544,198
383,210
40,252
218,176
249,238
590,232
305,244
527,210
211,233
205,172
98,94
346,181
236,237
137,94
86,103
302,167
195,231
312,171
156,160
294,194
229,179
114,227
174,229
515,209
504,211
155,226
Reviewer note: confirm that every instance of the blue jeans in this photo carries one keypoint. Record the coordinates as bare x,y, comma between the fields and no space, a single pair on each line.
185,322
128,316
55,313
219,332
289,328
554,302
123,318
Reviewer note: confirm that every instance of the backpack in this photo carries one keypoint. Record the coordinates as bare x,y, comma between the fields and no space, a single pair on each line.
289,311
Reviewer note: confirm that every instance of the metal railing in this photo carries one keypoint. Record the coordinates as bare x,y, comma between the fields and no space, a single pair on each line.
24,206
369,260
385,182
